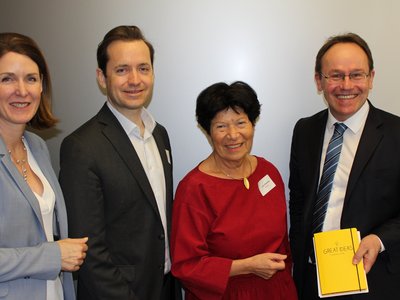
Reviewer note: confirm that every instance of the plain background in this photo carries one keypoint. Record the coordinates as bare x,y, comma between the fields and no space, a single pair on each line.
269,44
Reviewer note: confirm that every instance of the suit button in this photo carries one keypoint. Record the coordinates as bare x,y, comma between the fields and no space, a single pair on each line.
161,236
27,277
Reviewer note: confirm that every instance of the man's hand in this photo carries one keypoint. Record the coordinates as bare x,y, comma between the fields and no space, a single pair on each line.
368,250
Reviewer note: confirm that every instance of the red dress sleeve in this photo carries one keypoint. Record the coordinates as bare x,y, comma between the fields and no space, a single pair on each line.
203,275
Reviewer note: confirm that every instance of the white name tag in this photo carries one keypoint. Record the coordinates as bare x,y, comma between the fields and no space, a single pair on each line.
265,185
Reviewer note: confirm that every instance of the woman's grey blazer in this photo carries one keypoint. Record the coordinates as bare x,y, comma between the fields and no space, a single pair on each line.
27,260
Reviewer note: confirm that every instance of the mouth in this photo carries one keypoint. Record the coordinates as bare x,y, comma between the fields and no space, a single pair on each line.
235,146
133,92
20,104
347,97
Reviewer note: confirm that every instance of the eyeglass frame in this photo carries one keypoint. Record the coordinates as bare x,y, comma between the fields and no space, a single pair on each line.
331,78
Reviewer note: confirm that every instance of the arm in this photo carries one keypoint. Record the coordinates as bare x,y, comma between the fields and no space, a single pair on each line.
264,265
296,202
82,187
202,274
40,262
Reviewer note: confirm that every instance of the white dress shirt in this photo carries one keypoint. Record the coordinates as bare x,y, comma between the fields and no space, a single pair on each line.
46,202
146,148
351,139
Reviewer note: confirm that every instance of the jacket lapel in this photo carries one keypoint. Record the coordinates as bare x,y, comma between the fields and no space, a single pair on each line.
20,183
166,159
370,139
115,133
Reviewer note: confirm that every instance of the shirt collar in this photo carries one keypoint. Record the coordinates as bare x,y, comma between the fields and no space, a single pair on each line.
129,126
355,122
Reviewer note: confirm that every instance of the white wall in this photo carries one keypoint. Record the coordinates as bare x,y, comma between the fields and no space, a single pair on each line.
269,44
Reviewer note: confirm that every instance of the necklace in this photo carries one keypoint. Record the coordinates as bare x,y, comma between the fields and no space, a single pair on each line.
246,182
21,163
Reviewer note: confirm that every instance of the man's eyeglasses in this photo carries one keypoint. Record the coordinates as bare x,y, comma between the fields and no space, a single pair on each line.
339,77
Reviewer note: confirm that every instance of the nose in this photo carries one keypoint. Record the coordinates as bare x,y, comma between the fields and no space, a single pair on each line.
232,132
346,83
133,78
21,89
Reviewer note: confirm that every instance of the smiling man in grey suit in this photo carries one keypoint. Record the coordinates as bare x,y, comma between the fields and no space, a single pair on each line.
365,190
116,175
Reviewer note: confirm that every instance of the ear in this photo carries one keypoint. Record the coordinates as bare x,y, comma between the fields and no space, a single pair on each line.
101,78
317,78
371,79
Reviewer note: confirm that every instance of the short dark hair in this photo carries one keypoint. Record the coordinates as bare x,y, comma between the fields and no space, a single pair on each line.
221,96
343,38
120,33
24,45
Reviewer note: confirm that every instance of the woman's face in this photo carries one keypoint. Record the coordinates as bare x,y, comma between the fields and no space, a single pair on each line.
20,89
231,134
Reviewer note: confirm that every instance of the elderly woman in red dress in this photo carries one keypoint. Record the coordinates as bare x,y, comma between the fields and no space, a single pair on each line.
229,231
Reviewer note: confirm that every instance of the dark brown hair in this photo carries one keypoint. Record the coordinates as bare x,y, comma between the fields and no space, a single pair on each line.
120,33
343,38
21,44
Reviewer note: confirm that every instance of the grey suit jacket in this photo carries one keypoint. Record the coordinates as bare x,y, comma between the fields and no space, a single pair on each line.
109,199
372,200
27,260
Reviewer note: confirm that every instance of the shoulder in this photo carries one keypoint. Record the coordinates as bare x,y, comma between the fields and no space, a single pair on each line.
160,129
385,117
194,177
34,141
311,121
266,167
91,130
264,163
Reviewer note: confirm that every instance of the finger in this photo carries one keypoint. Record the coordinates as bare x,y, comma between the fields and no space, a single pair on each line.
277,256
359,255
79,240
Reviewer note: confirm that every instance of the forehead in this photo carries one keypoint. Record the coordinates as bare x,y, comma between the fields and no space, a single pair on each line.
128,52
229,115
12,61
345,56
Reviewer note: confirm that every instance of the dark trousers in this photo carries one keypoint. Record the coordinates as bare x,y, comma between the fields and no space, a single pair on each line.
168,291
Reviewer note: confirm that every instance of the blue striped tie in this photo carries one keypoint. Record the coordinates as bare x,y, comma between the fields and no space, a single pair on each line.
328,173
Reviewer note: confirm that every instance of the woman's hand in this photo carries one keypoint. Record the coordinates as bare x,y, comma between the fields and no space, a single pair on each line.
73,253
264,265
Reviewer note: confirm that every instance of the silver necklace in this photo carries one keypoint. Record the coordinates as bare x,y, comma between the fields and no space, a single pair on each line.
21,163
246,182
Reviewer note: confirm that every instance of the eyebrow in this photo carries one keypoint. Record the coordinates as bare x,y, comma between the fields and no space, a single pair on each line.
11,73
121,66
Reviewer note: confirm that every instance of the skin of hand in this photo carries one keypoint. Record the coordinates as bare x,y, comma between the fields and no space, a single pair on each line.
368,250
73,253
264,265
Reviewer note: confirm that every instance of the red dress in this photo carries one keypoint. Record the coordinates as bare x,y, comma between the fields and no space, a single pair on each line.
216,221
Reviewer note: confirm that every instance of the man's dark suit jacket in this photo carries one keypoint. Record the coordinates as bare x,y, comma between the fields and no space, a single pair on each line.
110,200
372,200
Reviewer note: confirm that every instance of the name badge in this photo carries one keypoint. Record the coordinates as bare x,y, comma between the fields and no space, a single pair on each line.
265,185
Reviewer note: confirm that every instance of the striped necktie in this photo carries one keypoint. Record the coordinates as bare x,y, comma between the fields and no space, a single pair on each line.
328,173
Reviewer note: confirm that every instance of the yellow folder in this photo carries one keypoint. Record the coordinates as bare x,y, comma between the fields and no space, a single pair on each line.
334,251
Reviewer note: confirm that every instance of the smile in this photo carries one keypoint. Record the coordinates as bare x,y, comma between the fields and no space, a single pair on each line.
235,146
134,92
344,97
19,104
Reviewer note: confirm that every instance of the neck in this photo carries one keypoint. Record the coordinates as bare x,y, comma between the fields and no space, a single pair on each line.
242,169
12,138
234,170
